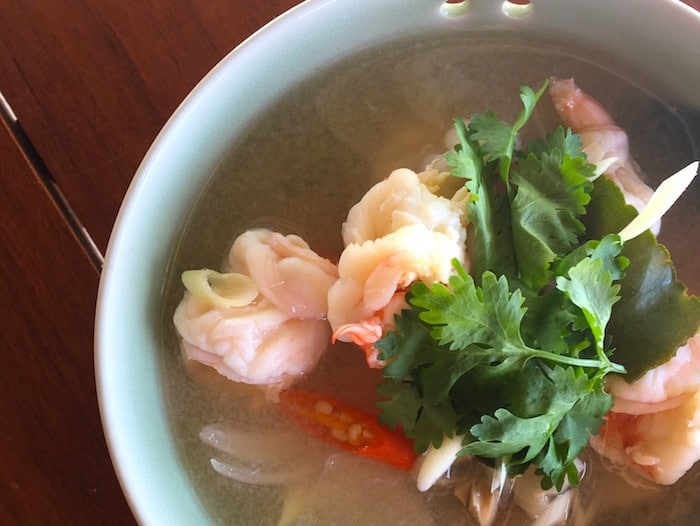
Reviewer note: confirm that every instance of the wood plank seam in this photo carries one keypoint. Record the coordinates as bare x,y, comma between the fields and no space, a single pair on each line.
34,159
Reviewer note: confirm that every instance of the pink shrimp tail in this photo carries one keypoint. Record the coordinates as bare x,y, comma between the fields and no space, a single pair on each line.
605,144
364,335
577,110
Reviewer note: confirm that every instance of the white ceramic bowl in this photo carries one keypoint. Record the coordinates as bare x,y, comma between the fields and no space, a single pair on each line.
657,37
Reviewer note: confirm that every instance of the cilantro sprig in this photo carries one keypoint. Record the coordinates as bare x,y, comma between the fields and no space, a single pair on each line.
457,362
513,357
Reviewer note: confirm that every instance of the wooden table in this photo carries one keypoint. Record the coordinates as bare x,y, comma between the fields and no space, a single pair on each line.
90,82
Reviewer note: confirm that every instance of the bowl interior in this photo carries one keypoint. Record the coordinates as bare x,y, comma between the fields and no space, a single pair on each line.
359,96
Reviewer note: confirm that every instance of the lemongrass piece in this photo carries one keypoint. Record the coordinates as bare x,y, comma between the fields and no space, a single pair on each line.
602,166
500,474
595,151
663,198
221,290
437,461
295,503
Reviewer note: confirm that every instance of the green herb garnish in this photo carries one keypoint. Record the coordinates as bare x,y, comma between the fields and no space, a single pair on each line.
513,356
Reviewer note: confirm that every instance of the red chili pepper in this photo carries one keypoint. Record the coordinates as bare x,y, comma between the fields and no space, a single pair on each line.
348,428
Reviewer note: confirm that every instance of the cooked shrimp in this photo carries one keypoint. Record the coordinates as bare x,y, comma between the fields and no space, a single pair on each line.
664,387
604,142
275,335
255,344
654,426
661,446
403,199
400,232
375,274
285,269
365,333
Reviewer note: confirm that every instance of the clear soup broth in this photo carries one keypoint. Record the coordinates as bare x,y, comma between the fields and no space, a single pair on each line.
306,161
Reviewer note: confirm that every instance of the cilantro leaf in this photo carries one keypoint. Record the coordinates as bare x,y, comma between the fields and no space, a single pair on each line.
465,315
606,249
498,138
465,160
591,288
492,140
439,377
406,348
505,434
548,322
426,424
401,404
565,141
435,421
554,430
483,321
487,210
545,210
556,462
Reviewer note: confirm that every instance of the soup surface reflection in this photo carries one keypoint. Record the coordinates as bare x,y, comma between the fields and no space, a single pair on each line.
299,169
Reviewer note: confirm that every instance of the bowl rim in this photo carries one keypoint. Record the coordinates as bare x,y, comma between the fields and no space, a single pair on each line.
305,38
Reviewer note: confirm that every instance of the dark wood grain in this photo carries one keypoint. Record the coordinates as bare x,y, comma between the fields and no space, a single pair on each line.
54,465
93,81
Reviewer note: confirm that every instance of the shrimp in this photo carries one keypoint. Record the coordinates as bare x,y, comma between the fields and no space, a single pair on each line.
255,344
660,446
663,387
606,144
288,273
407,198
277,336
365,333
374,276
398,233
654,425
